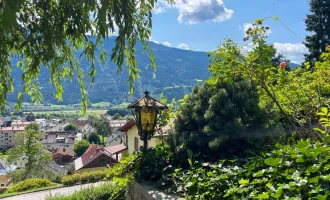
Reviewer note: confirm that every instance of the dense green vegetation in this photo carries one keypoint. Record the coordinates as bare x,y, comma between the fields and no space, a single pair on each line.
253,130
107,191
318,25
80,147
29,184
35,153
88,177
44,47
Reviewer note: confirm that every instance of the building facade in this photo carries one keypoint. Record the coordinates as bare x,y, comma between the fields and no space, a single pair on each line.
8,136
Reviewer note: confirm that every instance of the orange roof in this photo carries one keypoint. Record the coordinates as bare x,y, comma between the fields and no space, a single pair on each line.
66,152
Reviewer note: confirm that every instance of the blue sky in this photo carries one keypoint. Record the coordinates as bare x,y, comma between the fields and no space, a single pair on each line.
201,25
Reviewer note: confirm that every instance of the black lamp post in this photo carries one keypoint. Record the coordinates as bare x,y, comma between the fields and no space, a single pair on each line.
146,110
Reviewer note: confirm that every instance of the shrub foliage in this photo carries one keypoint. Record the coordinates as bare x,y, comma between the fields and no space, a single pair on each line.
299,171
29,184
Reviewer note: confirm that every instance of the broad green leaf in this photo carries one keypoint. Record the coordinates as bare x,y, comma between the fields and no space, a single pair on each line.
262,196
243,181
314,180
302,144
272,161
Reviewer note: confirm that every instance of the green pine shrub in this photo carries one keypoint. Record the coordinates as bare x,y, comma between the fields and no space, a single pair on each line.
29,184
217,120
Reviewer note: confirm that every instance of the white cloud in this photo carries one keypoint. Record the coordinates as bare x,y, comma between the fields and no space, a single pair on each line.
167,44
159,8
183,46
197,11
155,41
294,52
246,26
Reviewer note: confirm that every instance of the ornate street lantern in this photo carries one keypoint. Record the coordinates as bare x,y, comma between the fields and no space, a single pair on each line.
146,111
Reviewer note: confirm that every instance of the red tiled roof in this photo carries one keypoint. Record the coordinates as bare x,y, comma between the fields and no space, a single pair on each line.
115,149
127,126
91,153
66,152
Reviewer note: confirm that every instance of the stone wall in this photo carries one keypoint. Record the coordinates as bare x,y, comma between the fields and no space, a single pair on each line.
135,191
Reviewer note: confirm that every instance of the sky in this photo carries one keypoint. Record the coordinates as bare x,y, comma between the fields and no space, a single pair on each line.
201,25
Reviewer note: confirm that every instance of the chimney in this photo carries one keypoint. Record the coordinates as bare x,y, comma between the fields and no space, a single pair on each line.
98,149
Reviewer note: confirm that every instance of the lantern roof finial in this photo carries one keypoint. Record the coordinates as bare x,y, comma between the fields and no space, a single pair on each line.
146,93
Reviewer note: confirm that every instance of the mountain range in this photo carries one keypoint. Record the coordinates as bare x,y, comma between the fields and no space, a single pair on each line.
176,74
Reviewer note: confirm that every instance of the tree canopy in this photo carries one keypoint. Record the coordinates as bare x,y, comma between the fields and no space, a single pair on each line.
80,147
30,117
102,127
70,127
28,146
319,24
44,34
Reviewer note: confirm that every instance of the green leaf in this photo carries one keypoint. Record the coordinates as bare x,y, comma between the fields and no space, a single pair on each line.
273,161
314,180
319,130
243,181
262,196
324,110
302,144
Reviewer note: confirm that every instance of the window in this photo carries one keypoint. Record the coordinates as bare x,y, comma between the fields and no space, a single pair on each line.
67,145
2,185
136,143
102,159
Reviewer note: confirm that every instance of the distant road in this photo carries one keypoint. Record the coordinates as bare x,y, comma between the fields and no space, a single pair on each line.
42,194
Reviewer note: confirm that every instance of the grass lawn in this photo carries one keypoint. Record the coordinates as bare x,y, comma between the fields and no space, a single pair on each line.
102,104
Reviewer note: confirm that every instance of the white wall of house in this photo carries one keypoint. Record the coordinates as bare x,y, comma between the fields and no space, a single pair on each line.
54,146
132,136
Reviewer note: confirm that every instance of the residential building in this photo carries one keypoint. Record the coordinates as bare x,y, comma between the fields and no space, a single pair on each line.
21,123
58,141
5,180
42,122
87,130
63,156
96,158
113,140
8,136
133,141
115,125
82,122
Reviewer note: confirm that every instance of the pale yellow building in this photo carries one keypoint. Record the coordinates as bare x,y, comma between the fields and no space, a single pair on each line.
133,141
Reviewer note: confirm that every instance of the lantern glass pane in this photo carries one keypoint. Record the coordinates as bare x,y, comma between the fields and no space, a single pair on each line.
148,119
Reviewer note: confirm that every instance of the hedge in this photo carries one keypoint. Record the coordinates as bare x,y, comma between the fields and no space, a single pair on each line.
3,189
88,177
29,184
110,190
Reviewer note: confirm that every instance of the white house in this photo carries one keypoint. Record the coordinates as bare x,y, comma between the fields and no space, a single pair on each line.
59,141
